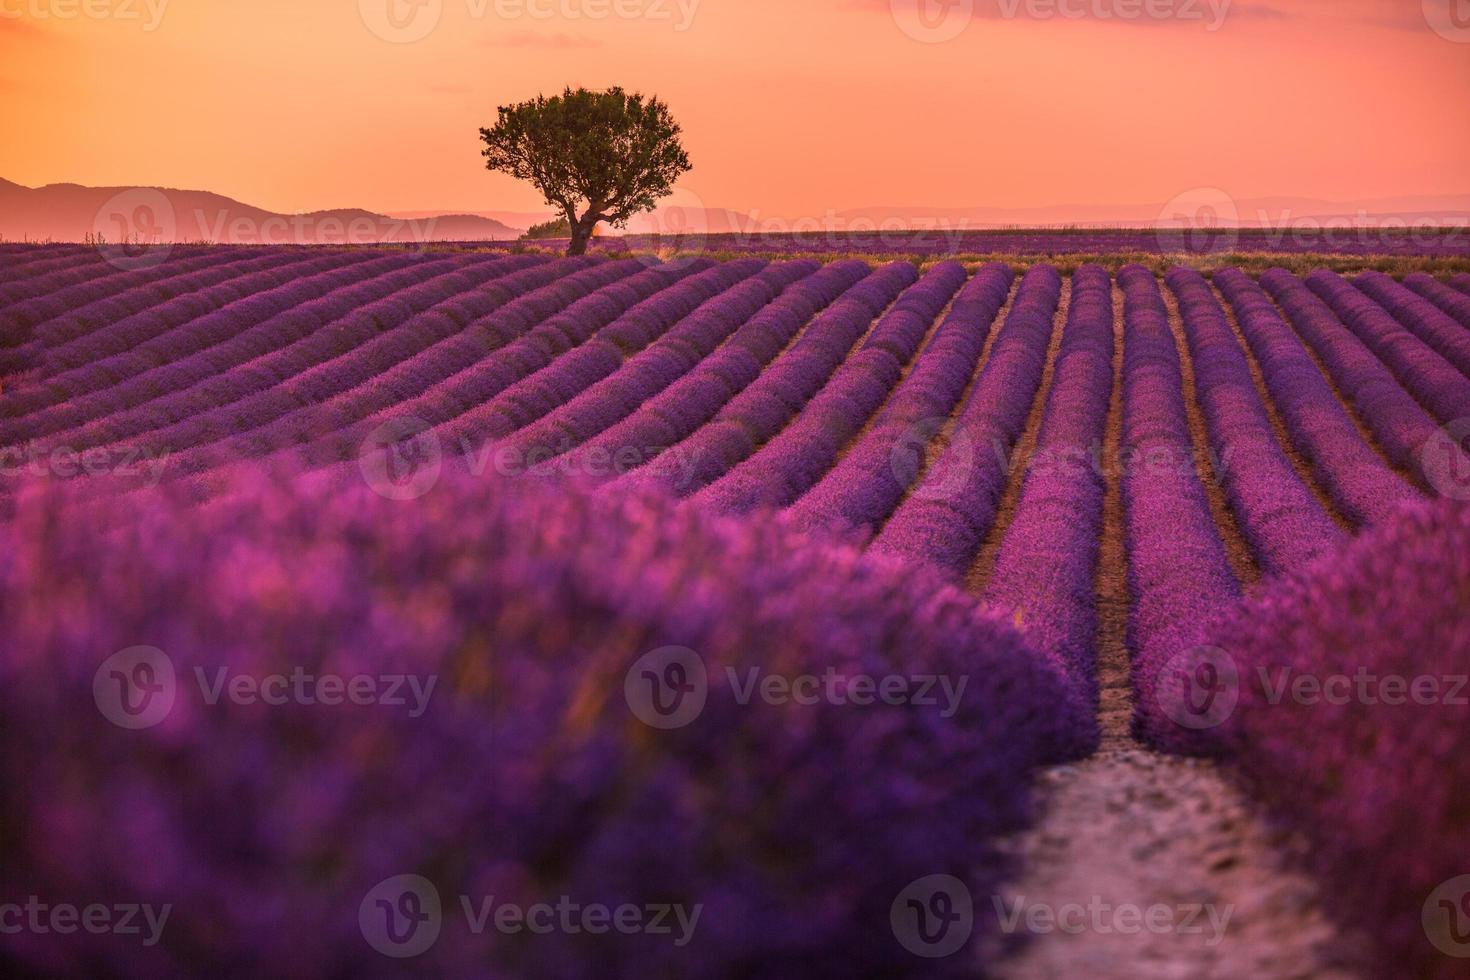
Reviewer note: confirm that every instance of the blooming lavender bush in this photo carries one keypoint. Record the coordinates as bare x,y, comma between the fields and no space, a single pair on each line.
1367,759
528,775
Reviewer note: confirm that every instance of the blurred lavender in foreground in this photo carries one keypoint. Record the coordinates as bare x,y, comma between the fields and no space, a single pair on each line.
527,774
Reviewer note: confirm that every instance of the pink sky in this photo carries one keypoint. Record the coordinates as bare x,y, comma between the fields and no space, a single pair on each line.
790,107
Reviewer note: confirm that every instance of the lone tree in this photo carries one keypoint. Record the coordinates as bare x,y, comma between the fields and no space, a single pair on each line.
597,156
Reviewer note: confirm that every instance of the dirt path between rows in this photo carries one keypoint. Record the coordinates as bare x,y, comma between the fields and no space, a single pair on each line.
1130,828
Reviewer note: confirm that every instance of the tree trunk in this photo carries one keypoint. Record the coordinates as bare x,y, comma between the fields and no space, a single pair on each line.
581,235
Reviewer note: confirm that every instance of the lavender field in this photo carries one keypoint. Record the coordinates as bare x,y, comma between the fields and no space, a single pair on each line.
350,597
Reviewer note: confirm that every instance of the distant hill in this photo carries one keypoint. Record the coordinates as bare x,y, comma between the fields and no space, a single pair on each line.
71,212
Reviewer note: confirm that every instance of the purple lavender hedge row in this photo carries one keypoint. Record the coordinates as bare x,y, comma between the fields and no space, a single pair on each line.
760,412
105,367
1044,572
1461,282
1364,487
110,339
219,390
871,479
1178,573
640,377
1350,718
85,278
596,357
1424,319
784,832
97,297
1397,421
586,338
1430,378
792,461
1453,302
675,413
246,329
1282,521
517,321
951,508
327,397
82,302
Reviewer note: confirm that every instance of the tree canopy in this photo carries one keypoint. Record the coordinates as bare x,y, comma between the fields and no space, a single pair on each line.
595,156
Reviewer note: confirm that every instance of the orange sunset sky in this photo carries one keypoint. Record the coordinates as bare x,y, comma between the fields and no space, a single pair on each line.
790,107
